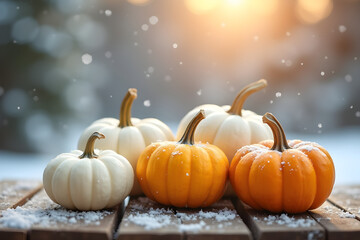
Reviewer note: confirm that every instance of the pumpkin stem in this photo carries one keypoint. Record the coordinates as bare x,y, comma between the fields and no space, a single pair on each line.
236,107
89,149
280,142
125,111
188,137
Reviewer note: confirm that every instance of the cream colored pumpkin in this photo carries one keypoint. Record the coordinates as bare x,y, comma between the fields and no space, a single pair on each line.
87,181
128,136
230,127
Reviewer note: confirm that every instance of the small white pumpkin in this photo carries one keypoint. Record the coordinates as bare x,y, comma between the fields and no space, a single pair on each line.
230,128
86,180
128,136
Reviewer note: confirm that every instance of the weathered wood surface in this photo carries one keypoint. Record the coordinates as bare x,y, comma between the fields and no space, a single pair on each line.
16,193
220,221
12,194
347,198
338,218
74,227
265,225
337,223
158,222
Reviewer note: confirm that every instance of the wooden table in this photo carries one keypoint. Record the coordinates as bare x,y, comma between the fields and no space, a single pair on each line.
141,218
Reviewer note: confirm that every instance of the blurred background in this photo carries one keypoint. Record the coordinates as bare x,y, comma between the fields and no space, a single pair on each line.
66,63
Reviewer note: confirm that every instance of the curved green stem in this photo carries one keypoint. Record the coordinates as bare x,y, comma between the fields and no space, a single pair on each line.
188,137
125,111
237,106
280,142
89,149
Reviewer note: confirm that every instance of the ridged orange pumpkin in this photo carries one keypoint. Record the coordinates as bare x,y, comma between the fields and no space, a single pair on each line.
281,176
183,174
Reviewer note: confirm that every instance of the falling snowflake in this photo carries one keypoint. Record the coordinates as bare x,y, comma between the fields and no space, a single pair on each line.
1,91
108,13
278,94
357,114
319,125
150,69
256,38
18,108
298,94
348,78
136,44
86,59
342,28
108,54
302,64
174,45
271,101
147,103
153,20
145,27
167,78
322,73
199,92
288,34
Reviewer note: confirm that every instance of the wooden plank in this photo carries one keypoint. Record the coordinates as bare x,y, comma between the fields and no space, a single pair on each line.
48,220
216,222
265,225
347,198
146,219
338,223
15,193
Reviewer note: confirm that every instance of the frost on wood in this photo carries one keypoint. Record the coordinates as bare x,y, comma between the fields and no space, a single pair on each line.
41,211
287,221
146,213
14,191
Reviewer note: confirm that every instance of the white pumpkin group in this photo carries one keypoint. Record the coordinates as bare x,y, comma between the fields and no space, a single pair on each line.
128,136
230,127
88,181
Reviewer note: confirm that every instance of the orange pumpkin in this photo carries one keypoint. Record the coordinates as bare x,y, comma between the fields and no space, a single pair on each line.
282,176
183,174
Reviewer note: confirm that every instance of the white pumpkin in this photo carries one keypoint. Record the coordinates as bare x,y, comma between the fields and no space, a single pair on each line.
128,136
230,128
88,181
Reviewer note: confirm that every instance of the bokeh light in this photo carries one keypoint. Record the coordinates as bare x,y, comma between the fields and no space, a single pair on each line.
311,11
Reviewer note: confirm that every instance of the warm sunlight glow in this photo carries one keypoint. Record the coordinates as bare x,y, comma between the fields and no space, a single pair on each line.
311,11
201,6
139,2
264,8
234,3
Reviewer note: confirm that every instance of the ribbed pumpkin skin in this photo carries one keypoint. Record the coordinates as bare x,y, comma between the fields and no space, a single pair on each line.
293,181
183,175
